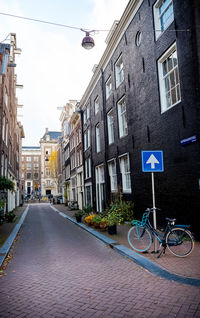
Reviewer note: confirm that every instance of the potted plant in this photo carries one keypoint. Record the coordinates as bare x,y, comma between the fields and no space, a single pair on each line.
10,216
96,221
103,224
2,216
112,219
89,218
78,215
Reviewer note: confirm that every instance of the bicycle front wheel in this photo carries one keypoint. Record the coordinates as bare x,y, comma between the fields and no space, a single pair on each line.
139,238
180,242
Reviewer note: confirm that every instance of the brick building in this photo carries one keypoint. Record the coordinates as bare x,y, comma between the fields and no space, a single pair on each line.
31,170
11,130
144,95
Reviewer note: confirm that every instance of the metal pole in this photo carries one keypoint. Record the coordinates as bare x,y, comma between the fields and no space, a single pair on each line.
154,211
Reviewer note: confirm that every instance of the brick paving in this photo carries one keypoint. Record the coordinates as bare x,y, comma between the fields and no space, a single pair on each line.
187,266
59,270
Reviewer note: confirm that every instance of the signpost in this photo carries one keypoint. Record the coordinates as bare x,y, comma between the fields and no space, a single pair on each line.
152,161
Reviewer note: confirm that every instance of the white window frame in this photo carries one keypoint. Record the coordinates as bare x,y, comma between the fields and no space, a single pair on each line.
97,135
87,168
3,127
119,71
166,96
125,172
6,97
88,186
122,117
108,87
28,159
87,139
110,124
113,175
96,105
159,27
28,166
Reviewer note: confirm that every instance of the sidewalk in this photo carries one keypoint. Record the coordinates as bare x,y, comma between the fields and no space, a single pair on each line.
187,266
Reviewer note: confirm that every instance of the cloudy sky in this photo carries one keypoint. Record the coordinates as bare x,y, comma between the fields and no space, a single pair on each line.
53,66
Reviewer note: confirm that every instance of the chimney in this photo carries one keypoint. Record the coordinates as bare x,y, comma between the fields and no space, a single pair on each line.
46,130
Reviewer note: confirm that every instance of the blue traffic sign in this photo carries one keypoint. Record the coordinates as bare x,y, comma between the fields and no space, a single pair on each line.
152,161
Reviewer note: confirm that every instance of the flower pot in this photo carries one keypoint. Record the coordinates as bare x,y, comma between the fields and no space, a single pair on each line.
112,229
78,218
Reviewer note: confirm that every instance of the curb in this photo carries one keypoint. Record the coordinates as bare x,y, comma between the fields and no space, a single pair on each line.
137,258
4,250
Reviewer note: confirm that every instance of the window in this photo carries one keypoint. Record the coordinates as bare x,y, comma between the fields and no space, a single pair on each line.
3,127
110,122
138,38
123,128
6,136
28,159
87,139
100,188
97,132
6,97
96,105
6,166
22,175
125,171
108,88
36,165
87,168
163,15
36,175
119,71
22,158
88,195
36,158
28,166
28,175
2,164
113,175
169,79
47,170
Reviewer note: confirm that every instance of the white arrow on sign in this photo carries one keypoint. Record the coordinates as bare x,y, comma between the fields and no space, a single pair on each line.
152,160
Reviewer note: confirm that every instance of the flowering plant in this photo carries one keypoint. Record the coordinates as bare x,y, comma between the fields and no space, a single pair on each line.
89,218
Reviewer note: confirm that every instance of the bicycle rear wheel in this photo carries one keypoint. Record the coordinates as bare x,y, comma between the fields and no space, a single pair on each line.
139,238
180,242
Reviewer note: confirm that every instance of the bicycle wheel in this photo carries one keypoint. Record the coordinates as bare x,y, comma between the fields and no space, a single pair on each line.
139,238
180,242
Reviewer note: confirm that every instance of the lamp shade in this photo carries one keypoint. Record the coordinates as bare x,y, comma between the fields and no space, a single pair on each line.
88,42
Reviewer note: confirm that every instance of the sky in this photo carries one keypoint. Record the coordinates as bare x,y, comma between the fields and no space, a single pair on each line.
53,67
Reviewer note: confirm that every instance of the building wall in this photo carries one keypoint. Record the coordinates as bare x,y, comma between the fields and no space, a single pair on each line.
177,188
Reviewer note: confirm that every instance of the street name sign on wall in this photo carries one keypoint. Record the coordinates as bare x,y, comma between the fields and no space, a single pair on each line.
152,161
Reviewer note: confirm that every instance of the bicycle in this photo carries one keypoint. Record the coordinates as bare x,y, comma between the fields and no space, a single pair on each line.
177,238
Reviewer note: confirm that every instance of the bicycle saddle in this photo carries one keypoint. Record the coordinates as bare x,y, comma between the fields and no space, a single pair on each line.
170,220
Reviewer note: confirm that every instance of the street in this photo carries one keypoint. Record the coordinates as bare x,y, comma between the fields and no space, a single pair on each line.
59,270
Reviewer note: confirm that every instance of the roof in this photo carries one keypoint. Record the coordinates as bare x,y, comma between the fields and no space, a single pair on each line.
53,135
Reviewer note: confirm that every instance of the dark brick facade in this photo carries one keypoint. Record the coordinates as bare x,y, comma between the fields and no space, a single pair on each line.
177,188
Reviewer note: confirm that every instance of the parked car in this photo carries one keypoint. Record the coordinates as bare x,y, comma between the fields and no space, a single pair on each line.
58,199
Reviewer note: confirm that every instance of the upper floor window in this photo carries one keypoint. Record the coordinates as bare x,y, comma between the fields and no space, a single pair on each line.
6,97
86,114
119,71
28,166
36,159
36,165
98,144
125,171
28,175
87,139
96,105
28,159
87,168
36,175
110,121
22,158
122,118
169,79
108,87
163,15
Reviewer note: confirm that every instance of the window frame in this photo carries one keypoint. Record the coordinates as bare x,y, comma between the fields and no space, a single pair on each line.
97,138
126,175
113,176
96,105
157,17
119,72
162,78
108,87
122,118
110,125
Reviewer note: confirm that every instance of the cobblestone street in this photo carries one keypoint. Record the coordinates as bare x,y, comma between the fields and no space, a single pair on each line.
59,270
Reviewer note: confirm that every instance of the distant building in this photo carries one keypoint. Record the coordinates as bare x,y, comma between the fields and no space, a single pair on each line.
48,143
31,170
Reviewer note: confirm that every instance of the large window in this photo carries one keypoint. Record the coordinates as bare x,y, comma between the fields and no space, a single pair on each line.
97,132
96,105
28,175
88,194
108,87
28,159
119,71
113,175
125,171
87,139
36,175
29,166
3,127
100,188
87,168
110,121
163,15
169,79
122,119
